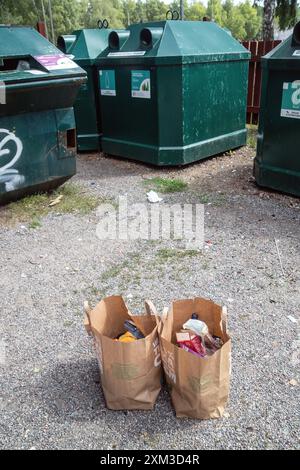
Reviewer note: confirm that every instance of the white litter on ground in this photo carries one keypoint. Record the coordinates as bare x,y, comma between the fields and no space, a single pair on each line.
152,196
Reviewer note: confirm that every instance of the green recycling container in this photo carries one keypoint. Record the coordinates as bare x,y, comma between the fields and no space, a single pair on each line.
84,46
38,86
173,92
277,162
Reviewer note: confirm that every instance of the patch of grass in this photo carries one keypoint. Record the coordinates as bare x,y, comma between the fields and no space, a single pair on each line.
166,254
75,199
130,264
216,199
35,223
166,185
219,199
111,272
252,136
203,198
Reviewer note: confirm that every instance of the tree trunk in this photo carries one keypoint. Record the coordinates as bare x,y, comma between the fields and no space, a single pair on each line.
268,22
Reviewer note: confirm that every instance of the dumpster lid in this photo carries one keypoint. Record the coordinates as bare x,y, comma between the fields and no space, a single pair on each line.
26,55
179,42
288,49
89,43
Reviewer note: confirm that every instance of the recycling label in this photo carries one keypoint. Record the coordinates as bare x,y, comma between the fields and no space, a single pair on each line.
108,82
140,84
290,104
56,62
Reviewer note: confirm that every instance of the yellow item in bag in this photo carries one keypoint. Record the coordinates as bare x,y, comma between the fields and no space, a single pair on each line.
127,337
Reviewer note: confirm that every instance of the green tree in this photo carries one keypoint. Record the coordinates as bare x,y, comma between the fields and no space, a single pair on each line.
215,11
286,11
67,16
155,10
134,11
98,10
233,20
252,20
195,11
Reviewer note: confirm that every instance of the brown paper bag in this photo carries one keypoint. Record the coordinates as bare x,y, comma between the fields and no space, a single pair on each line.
130,372
199,386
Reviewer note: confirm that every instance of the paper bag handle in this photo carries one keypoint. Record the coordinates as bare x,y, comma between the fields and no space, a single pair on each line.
165,313
162,320
87,319
150,308
224,319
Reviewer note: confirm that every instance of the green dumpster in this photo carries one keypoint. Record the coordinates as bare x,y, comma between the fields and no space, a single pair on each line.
85,46
277,163
38,86
173,92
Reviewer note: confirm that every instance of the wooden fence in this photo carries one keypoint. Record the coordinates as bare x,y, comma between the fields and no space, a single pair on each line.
257,49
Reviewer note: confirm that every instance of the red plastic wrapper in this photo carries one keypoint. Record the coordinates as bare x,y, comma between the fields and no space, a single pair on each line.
186,348
191,341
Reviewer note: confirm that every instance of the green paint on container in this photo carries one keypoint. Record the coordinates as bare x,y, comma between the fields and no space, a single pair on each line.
180,96
277,163
85,46
38,86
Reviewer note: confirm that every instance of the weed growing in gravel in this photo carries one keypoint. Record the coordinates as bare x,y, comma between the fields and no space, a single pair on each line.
76,199
166,253
216,199
114,271
252,136
166,185
32,208
35,223
130,274
204,198
111,272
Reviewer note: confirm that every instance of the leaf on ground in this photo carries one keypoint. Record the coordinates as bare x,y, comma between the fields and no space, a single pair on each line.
56,201
293,382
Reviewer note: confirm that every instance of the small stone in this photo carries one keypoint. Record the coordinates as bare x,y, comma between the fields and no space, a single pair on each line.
293,382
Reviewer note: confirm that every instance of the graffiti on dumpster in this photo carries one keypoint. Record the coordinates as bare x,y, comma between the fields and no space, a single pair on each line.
11,149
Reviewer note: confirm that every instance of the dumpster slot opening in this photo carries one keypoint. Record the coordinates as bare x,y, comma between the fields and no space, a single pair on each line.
71,139
19,63
146,37
65,43
114,42
150,36
9,65
117,39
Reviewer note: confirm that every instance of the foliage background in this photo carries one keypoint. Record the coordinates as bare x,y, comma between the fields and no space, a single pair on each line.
243,20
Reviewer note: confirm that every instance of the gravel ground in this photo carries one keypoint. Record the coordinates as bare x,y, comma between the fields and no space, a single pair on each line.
50,396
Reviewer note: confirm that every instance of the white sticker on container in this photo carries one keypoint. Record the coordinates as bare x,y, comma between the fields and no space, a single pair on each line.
36,72
126,54
140,84
56,62
108,82
290,102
